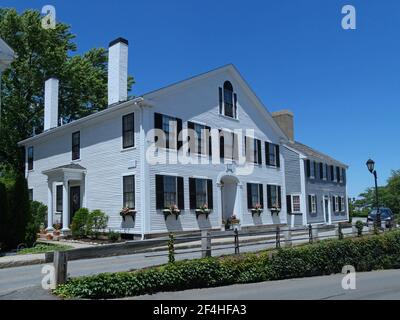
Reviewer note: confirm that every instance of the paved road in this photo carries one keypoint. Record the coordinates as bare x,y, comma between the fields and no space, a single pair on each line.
21,282
377,285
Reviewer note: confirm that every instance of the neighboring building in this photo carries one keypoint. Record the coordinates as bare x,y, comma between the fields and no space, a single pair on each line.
315,183
240,160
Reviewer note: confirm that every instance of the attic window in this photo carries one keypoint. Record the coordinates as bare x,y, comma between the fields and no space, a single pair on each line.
228,101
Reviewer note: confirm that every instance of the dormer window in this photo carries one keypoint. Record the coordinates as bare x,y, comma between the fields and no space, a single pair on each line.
228,101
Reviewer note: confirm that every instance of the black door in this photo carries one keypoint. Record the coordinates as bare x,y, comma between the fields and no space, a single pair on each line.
74,201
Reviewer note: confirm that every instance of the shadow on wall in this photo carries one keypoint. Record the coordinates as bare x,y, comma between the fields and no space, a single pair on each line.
128,223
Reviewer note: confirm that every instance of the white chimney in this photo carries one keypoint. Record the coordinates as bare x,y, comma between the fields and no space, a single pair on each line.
117,71
51,104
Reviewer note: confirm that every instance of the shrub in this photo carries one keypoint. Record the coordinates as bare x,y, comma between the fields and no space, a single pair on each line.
324,258
113,236
79,221
39,211
359,227
4,214
96,222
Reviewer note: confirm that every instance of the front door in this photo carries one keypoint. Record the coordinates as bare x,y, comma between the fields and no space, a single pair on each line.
74,201
326,203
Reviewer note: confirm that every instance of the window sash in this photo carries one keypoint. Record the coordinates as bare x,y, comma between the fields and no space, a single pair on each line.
274,196
76,145
129,192
313,204
296,204
170,191
128,131
255,194
59,198
272,154
336,204
30,158
201,193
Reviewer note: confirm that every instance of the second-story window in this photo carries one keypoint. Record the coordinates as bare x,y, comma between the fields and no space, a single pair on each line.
199,138
76,145
340,172
311,169
274,196
170,128
228,101
128,131
228,145
30,158
253,150
272,155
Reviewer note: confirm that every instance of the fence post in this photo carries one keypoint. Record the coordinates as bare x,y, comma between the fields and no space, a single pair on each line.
60,267
339,232
205,244
315,234
278,237
171,248
288,237
310,233
236,238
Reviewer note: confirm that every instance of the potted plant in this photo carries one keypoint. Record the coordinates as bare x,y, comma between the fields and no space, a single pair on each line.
127,212
275,209
203,210
42,229
49,236
57,229
172,210
258,209
235,222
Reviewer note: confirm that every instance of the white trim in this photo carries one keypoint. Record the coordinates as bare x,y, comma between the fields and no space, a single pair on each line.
291,200
55,184
303,190
313,197
327,197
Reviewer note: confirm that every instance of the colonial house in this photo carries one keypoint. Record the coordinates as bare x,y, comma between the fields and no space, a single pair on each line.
315,182
189,156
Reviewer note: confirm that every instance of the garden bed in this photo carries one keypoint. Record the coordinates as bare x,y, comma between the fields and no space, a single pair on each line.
43,248
323,258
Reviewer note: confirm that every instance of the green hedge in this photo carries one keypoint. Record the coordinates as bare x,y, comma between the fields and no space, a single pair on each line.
323,258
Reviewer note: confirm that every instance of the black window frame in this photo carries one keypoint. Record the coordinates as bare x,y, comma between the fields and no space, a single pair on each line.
128,134
254,154
126,194
76,145
251,189
272,151
160,120
278,195
30,158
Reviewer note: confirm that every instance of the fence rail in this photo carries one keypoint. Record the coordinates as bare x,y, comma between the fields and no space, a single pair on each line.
233,239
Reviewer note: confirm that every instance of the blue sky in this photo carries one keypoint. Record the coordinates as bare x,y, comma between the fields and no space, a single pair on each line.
342,85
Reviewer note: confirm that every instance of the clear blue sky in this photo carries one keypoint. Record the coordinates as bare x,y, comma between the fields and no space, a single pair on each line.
342,85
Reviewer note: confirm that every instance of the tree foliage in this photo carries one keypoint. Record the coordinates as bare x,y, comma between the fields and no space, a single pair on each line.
42,53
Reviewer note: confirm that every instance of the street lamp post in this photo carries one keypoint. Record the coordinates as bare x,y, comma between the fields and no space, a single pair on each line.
371,168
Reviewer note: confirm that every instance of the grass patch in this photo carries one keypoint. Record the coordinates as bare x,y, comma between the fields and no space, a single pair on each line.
43,248
322,258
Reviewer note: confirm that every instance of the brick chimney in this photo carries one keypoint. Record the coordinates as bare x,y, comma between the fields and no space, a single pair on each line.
117,71
51,104
284,119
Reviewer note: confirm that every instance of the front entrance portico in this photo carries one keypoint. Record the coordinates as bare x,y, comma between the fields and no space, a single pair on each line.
72,177
230,195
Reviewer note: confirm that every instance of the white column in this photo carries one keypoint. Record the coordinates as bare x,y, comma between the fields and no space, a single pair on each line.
65,214
238,202
219,203
49,206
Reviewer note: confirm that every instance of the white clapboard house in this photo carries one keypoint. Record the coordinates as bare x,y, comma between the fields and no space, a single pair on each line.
185,157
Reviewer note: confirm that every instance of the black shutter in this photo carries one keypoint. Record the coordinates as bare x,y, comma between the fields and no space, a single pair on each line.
220,100
235,105
333,204
344,175
208,137
158,125
308,167
321,170
269,200
249,202
221,144
181,194
315,170
267,157
278,158
235,151
338,174
210,194
261,190
309,204
332,174
289,204
340,204
192,141
192,193
279,196
179,142
259,152
159,192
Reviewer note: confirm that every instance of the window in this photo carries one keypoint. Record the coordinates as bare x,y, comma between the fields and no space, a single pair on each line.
342,204
336,203
274,196
230,101
30,158
340,171
199,138
201,193
129,192
59,198
296,207
333,174
253,150
169,191
312,201
76,145
323,171
228,145
171,127
272,154
30,194
255,195
128,131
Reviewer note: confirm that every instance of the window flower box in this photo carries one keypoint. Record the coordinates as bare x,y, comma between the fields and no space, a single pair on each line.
275,210
203,210
172,210
125,212
257,209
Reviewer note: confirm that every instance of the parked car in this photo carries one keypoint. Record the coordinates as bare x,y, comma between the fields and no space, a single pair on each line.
386,216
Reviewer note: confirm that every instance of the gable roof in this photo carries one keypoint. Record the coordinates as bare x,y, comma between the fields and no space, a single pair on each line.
229,68
312,153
